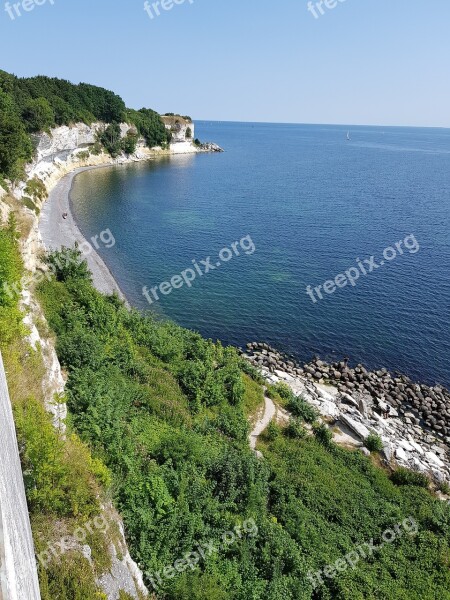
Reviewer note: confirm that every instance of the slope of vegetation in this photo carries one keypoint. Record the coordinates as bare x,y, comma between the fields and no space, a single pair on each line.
35,104
64,483
167,411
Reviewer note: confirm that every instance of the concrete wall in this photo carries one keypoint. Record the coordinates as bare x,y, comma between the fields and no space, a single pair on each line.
18,574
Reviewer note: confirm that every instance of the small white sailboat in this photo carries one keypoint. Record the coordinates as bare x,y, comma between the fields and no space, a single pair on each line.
348,136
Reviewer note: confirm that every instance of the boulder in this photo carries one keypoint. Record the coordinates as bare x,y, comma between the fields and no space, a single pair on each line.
361,430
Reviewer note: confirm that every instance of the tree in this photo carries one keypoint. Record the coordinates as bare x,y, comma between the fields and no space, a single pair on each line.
15,146
68,264
38,115
110,138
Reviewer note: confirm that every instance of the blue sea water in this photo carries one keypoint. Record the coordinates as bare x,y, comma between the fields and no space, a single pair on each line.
312,203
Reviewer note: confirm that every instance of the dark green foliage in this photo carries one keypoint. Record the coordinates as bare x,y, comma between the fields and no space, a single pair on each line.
129,142
301,409
272,432
165,410
111,140
38,115
296,429
36,189
374,443
15,145
323,435
68,264
444,487
149,125
403,476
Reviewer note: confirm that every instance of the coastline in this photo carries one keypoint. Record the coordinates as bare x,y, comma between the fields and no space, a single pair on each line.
405,441
56,232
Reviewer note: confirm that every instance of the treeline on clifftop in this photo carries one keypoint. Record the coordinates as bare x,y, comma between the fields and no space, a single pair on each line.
36,104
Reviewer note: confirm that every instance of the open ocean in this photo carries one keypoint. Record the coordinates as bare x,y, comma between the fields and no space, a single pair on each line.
312,203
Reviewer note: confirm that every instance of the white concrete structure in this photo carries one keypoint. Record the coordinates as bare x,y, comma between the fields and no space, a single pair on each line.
18,573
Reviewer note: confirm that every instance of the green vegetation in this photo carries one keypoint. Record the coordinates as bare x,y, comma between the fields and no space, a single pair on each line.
63,482
403,476
166,411
185,117
374,443
35,104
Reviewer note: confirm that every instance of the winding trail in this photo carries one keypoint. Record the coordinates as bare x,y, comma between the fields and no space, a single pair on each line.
261,424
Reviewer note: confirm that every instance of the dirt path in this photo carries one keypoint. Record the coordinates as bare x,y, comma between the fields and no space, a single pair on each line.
261,424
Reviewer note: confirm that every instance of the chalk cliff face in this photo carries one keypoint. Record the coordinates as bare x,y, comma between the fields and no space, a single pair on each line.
182,129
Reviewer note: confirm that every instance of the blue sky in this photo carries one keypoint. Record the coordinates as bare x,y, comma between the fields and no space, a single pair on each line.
363,62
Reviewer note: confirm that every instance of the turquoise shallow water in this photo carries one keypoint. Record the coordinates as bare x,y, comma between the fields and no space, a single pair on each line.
312,203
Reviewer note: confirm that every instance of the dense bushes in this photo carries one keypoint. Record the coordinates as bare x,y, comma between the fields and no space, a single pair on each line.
35,104
166,410
63,482
10,274
403,476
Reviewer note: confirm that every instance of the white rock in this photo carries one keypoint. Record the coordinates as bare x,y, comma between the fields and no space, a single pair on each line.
329,408
435,460
417,447
283,375
406,445
361,430
401,454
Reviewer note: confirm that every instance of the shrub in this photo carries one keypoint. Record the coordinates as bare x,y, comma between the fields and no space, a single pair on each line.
272,431
58,477
83,155
232,423
110,139
296,429
36,189
300,408
68,264
283,390
323,434
374,443
28,202
444,487
404,476
129,143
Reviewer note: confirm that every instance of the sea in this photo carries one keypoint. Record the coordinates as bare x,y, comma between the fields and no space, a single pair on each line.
317,239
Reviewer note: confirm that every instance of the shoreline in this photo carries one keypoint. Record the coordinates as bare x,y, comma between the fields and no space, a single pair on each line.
56,232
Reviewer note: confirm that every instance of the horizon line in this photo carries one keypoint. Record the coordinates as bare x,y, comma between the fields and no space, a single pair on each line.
323,124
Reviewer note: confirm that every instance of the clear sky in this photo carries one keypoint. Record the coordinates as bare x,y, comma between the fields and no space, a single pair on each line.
362,62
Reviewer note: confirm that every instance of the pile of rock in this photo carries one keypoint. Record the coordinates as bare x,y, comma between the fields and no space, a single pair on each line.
210,147
418,405
356,415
